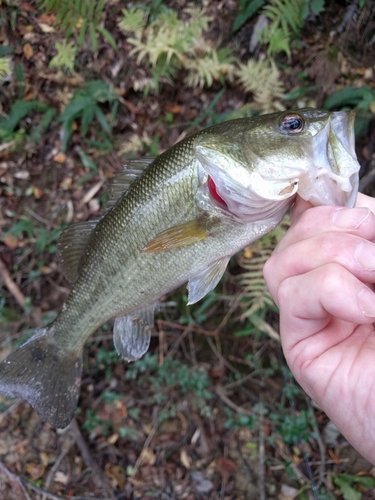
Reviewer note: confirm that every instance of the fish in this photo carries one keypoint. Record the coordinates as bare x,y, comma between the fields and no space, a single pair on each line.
172,219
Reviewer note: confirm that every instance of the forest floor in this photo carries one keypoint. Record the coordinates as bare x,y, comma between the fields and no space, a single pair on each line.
211,412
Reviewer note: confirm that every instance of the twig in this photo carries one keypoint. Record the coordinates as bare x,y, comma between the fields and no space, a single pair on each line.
262,454
11,285
15,480
322,449
220,392
221,358
99,477
184,327
44,221
67,444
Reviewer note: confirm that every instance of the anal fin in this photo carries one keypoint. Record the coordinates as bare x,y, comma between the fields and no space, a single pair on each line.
203,282
132,333
177,236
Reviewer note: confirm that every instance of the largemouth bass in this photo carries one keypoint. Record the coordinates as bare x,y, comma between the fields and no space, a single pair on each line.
174,219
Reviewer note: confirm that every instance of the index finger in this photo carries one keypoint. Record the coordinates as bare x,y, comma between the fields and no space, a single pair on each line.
317,220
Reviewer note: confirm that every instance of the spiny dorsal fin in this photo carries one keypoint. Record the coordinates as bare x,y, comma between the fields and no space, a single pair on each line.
72,244
123,179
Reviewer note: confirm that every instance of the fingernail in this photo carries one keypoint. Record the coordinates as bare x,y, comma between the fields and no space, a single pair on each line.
366,301
365,256
350,218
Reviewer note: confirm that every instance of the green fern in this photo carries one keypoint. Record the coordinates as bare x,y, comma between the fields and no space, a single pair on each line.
169,43
216,65
133,21
5,67
286,21
255,297
65,57
20,110
84,105
262,79
83,15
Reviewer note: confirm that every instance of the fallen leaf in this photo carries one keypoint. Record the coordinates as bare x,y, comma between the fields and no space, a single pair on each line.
28,51
11,241
46,28
60,477
66,183
36,471
47,18
60,158
38,193
185,459
147,457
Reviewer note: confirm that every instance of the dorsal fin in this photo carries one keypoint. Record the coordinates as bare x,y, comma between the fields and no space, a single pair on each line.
122,180
72,244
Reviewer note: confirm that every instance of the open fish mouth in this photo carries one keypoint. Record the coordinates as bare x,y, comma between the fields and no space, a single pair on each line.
334,178
317,163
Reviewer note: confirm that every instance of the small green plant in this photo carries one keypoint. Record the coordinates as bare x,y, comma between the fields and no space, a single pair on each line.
84,106
294,428
173,373
65,57
21,109
285,20
5,67
361,99
247,9
347,482
83,16
170,44
44,240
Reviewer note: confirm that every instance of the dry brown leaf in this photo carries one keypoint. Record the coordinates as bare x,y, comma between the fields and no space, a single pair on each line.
47,18
36,471
60,477
11,241
185,459
66,183
46,28
38,193
28,51
60,158
147,457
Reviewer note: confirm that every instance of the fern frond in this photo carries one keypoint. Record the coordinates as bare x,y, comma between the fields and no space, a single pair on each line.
5,67
255,295
65,57
133,21
135,144
262,78
287,18
212,67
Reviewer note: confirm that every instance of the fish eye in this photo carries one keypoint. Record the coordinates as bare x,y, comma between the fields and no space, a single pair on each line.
293,123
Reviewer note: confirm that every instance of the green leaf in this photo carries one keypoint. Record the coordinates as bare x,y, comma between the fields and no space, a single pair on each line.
102,119
5,50
349,96
250,9
107,36
92,32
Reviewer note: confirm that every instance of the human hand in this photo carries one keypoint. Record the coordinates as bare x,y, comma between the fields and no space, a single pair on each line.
322,277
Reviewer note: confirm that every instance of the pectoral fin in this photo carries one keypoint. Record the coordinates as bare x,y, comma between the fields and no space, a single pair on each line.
205,281
178,236
132,333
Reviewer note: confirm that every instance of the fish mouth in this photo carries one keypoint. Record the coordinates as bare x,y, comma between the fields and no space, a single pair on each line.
334,176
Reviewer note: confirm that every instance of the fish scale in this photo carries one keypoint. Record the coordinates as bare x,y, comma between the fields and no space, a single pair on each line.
189,210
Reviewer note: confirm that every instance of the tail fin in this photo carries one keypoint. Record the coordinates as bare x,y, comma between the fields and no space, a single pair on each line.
48,378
